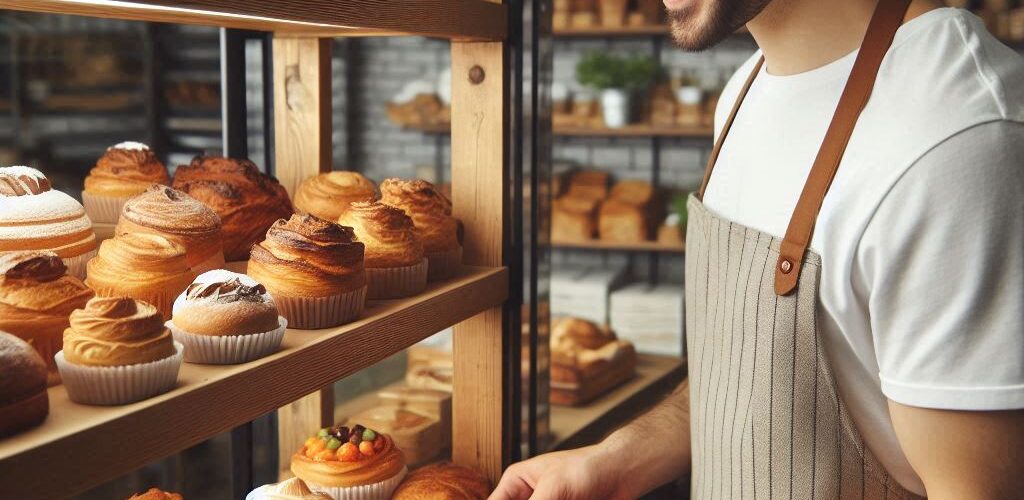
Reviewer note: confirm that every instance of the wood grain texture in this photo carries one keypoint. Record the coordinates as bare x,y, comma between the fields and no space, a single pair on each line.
302,109
110,441
479,197
455,19
296,422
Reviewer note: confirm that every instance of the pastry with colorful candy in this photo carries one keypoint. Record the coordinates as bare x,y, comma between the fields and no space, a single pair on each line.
33,216
314,270
23,398
36,300
329,195
431,213
179,218
444,481
125,170
291,489
350,463
156,494
396,265
226,318
247,200
118,351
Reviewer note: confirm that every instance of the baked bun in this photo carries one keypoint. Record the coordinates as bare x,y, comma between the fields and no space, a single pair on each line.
222,303
125,170
587,361
115,332
156,494
350,464
574,218
306,256
142,266
387,232
443,481
328,195
592,184
581,332
23,398
33,216
430,210
291,489
179,218
36,300
247,201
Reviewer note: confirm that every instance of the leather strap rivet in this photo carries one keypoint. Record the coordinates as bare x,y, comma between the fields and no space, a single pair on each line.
786,266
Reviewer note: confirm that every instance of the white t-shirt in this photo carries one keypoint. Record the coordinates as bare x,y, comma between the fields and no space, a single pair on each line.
922,232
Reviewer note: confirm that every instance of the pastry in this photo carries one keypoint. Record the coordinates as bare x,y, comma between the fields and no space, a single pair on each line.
431,213
314,270
23,398
125,170
587,361
291,489
328,195
35,217
36,300
591,184
142,266
626,215
573,219
396,265
246,200
117,351
179,218
226,318
444,481
355,463
156,494
418,436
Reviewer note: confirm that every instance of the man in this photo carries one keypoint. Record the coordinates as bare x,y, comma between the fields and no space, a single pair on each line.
855,272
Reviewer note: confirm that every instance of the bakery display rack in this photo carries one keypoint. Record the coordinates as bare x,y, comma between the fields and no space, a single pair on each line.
110,441
634,246
636,130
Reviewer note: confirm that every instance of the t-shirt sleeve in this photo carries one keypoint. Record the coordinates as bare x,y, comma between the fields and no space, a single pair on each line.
942,266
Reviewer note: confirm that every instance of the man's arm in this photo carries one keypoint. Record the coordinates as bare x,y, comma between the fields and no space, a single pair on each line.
652,450
964,455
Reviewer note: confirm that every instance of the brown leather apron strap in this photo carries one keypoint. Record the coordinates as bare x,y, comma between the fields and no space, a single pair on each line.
888,17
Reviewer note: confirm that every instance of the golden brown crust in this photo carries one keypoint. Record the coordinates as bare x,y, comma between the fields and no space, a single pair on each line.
22,371
231,304
329,195
176,216
387,232
591,184
581,350
123,172
573,218
156,494
247,201
140,265
443,481
621,221
116,332
430,210
35,217
383,465
633,192
307,256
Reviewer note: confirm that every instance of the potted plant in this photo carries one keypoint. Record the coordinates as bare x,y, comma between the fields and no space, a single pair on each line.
616,78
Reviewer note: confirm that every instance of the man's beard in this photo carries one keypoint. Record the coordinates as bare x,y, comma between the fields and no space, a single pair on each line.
695,30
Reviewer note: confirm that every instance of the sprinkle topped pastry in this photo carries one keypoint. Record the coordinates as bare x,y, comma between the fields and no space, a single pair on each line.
342,456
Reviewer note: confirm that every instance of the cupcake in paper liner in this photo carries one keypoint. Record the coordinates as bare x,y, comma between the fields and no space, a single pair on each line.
354,463
226,318
394,258
103,209
431,211
76,265
124,171
313,268
118,351
444,265
396,282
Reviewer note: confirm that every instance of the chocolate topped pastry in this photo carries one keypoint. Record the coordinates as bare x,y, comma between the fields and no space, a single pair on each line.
225,303
180,218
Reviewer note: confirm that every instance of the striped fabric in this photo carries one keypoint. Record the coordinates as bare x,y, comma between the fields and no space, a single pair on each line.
766,418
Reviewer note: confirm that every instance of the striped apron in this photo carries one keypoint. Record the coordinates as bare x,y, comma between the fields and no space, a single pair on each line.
766,417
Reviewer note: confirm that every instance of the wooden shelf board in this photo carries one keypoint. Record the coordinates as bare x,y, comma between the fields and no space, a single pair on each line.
107,442
639,246
604,31
572,427
454,19
636,130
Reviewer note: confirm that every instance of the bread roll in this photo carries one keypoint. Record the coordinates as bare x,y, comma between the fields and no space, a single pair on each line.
444,481
23,397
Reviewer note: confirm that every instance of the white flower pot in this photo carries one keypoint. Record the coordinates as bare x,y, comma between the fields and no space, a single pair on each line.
615,107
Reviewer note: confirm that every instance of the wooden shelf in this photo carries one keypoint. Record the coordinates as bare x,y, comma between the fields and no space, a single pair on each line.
639,246
603,31
80,446
454,19
572,427
637,130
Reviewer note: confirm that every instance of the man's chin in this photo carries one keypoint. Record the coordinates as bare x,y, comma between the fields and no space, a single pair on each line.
691,33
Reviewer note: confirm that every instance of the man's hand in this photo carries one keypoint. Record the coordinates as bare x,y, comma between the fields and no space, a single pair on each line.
565,475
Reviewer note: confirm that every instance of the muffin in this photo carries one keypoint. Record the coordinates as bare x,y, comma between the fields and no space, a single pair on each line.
247,201
356,463
156,494
314,270
118,351
292,489
23,398
226,318
33,216
179,218
36,300
142,266
431,212
396,265
444,481
125,170
328,195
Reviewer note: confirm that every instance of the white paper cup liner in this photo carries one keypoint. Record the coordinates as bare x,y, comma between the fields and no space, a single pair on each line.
444,265
396,282
311,313
76,264
375,491
228,349
106,209
118,385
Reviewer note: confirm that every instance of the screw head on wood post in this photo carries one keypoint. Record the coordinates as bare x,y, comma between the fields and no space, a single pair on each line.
476,74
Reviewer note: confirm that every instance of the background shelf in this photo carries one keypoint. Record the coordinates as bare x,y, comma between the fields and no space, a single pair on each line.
639,246
637,130
603,31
